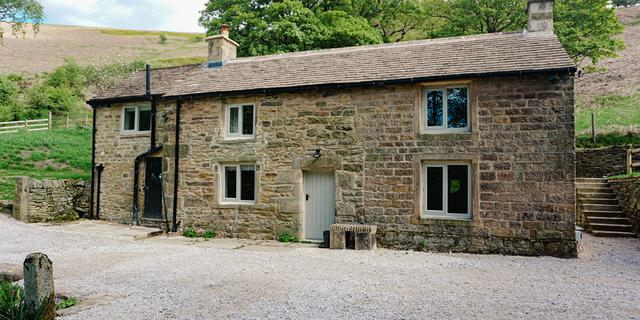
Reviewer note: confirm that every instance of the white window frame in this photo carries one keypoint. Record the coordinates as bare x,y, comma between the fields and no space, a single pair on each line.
237,200
238,135
444,214
445,121
136,120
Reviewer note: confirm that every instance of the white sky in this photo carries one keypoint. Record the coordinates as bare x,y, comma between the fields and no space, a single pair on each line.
165,15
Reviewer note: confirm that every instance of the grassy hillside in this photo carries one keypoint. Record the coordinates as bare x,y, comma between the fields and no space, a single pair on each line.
613,94
58,154
87,45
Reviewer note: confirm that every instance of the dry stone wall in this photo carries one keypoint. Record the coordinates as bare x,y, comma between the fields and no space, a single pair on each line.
521,150
628,191
46,200
601,162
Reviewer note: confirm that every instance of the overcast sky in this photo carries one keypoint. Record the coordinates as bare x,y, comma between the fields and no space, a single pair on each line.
165,15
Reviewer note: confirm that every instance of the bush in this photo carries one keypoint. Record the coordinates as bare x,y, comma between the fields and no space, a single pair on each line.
209,234
190,233
9,93
163,39
12,302
287,237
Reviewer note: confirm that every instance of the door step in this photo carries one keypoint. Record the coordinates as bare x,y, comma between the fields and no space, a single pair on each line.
613,234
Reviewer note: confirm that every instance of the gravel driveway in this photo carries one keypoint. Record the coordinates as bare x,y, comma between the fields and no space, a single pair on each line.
177,278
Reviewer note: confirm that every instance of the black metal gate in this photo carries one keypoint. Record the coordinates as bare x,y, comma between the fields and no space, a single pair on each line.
153,188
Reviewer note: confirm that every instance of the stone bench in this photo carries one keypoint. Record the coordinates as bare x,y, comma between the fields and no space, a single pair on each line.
353,236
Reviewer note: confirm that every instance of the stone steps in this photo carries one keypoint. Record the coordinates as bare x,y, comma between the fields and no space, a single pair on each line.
613,234
602,210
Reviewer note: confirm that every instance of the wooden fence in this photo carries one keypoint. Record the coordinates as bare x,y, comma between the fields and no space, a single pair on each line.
51,122
633,160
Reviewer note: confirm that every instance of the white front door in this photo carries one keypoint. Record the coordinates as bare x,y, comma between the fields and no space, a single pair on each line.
319,208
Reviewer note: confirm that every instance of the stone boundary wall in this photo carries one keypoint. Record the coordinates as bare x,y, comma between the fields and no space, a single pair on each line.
628,190
46,200
601,162
6,207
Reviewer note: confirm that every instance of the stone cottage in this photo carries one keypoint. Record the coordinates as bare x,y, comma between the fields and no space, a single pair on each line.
455,144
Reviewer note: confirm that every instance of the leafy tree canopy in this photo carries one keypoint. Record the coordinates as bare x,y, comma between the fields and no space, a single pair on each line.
586,28
17,13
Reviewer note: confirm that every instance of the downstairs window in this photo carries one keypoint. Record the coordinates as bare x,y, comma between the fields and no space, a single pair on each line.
446,191
239,183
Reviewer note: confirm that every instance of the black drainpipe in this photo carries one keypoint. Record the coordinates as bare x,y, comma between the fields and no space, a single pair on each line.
99,168
176,171
136,169
93,162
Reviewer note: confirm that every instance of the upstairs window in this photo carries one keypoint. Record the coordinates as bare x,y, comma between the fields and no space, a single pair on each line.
239,183
446,191
241,121
136,119
447,109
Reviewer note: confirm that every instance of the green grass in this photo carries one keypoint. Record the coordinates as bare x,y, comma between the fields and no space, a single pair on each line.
624,176
611,112
194,37
56,154
608,140
175,62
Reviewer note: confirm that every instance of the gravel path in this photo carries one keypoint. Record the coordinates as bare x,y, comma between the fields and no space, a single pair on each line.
176,278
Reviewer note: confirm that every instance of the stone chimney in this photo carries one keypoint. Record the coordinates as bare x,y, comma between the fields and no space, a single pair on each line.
221,48
540,16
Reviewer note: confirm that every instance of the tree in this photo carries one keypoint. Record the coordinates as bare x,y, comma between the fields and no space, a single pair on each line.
17,13
586,28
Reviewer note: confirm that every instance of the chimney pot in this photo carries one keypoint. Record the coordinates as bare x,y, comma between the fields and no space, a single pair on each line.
224,30
540,16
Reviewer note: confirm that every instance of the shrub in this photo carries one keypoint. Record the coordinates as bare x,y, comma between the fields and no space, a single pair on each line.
287,237
163,39
12,302
209,234
66,303
190,233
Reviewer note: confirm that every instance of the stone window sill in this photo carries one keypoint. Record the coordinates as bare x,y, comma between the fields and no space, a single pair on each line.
127,135
443,221
237,140
232,205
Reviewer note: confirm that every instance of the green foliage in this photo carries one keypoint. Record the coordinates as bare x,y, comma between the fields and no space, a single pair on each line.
66,303
9,103
586,28
625,176
265,27
607,140
209,235
12,304
56,154
163,39
287,237
17,13
190,233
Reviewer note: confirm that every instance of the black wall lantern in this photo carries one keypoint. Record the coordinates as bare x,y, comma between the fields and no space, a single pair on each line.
317,154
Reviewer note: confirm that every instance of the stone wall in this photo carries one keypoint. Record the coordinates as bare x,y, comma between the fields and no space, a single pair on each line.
118,151
521,150
6,207
46,200
601,162
628,191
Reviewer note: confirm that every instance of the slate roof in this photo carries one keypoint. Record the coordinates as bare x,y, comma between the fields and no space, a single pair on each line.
497,53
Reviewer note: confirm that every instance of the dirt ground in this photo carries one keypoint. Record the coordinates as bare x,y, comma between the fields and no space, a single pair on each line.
117,277
48,49
622,75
